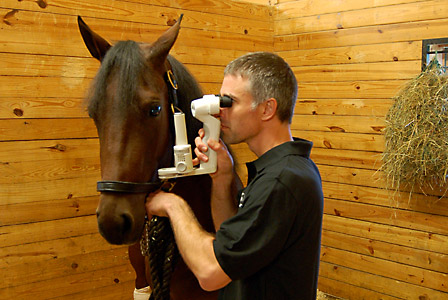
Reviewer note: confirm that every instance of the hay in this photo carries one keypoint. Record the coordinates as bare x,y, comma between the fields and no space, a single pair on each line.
416,151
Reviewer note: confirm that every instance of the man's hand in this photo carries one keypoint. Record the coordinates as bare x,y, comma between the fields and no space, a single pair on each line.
194,243
159,202
224,158
226,182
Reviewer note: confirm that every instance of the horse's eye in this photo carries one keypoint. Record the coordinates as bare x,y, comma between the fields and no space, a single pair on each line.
154,111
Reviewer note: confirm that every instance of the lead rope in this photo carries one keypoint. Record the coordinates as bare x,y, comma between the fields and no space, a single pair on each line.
159,245
158,241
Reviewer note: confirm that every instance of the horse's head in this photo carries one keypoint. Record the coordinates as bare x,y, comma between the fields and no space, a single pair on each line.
129,103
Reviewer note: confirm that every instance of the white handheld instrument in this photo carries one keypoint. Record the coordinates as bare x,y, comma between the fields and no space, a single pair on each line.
202,109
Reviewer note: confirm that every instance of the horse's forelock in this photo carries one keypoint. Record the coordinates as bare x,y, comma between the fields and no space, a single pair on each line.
125,60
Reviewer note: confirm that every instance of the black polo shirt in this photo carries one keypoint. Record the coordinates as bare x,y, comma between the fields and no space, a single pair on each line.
270,248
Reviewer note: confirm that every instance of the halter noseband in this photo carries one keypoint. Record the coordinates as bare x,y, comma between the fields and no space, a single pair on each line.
127,187
116,186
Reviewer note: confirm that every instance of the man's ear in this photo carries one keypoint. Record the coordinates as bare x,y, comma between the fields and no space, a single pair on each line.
269,109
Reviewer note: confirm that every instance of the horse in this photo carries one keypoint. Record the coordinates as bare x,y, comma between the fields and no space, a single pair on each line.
131,102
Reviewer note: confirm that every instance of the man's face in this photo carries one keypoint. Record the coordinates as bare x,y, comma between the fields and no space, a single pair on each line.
240,122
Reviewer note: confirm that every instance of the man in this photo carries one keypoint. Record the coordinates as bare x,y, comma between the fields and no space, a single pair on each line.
267,241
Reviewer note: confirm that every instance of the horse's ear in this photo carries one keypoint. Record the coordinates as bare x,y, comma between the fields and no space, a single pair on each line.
159,49
97,45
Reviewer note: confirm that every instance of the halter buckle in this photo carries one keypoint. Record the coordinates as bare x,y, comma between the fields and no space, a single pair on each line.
171,79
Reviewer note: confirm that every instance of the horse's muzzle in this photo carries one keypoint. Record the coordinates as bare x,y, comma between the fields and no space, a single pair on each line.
121,217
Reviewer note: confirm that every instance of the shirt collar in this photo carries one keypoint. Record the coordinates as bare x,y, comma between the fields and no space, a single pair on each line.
297,147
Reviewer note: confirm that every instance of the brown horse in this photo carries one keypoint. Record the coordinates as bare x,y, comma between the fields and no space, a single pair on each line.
130,103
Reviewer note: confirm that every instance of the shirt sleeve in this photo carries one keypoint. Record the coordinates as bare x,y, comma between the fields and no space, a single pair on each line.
255,236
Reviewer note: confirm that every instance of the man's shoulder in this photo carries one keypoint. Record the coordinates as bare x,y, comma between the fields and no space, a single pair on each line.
291,166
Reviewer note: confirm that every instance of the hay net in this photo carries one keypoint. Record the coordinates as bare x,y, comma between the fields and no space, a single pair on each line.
416,151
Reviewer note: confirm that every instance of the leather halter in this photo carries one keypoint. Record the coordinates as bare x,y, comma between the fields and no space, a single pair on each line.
127,187
116,186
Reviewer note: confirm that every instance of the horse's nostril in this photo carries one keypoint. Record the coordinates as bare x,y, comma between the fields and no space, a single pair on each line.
127,223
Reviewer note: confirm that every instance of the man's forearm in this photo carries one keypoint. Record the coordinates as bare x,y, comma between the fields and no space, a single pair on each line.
196,246
223,200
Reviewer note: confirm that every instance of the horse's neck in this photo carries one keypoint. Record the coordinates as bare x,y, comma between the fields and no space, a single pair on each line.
196,191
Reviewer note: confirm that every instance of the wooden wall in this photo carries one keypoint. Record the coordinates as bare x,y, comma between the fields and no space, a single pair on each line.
49,161
350,58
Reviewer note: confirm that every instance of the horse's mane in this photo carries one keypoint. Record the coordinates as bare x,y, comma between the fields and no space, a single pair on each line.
126,61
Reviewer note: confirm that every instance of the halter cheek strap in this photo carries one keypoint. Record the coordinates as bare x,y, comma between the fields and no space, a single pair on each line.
171,83
116,186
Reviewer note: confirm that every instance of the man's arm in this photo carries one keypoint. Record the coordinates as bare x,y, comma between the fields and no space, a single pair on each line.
194,243
225,186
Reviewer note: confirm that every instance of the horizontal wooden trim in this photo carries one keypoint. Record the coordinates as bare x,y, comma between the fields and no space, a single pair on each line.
371,281
40,129
372,16
350,89
433,205
22,64
43,25
67,285
345,290
387,215
45,170
363,185
343,107
28,253
399,70
205,56
390,234
344,175
49,230
412,31
342,124
211,88
388,269
113,291
154,14
396,253
217,7
54,87
346,158
73,68
43,87
293,9
343,140
357,54
55,209
49,190
39,271
157,11
365,177
29,107
39,150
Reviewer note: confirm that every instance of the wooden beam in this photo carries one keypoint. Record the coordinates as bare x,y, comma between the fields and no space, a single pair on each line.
413,31
390,234
357,54
358,16
388,251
